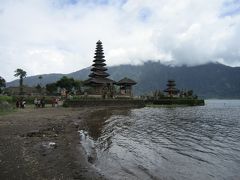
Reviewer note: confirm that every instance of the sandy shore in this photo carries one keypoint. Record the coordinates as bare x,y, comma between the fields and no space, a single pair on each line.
44,144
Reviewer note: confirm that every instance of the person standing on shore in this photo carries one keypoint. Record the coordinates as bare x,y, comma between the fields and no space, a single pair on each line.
56,102
39,103
35,102
17,103
22,103
43,102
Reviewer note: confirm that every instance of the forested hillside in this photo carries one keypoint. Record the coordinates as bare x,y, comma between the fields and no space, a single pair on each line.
211,80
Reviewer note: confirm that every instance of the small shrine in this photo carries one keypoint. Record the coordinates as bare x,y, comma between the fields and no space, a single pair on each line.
126,86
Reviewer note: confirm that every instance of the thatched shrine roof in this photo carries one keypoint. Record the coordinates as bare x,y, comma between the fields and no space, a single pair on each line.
126,81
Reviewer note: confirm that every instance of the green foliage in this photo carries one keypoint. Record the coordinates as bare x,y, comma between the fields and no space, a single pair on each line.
40,84
8,99
78,84
65,82
2,84
5,108
190,93
157,94
39,88
122,97
21,74
65,104
70,84
83,97
51,88
5,105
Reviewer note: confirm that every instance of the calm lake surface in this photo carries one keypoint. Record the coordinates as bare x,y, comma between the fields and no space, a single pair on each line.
169,143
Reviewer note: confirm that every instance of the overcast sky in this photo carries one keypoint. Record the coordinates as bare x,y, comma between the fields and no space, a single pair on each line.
59,36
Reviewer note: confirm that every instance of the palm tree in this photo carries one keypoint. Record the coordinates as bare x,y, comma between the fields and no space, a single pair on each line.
40,84
22,74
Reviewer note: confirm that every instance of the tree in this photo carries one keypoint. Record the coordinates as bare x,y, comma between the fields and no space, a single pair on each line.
21,74
51,88
190,93
78,86
2,84
39,86
67,83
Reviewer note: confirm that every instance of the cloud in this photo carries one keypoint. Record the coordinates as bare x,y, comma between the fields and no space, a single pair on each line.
45,36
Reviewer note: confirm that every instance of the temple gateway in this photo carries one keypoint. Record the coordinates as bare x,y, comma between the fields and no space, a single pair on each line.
99,82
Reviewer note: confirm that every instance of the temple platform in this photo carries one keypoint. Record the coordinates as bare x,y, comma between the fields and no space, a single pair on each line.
105,103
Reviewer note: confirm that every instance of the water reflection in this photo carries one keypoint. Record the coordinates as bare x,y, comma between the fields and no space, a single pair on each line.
169,143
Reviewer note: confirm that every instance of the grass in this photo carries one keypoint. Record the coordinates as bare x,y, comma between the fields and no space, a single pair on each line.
5,112
9,99
5,105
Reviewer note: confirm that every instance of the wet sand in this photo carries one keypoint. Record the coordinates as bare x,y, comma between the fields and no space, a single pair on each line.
44,144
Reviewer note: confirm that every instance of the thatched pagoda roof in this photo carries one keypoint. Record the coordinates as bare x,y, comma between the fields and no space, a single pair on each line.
171,87
173,90
98,81
98,74
171,83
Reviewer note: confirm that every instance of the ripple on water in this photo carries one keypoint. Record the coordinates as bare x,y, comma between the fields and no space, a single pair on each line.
172,143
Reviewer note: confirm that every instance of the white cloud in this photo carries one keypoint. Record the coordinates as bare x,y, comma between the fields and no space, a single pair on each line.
45,36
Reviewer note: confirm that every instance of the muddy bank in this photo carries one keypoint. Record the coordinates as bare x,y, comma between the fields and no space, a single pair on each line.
44,144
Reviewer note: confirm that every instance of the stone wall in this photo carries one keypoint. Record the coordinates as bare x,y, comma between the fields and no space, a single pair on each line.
179,101
104,102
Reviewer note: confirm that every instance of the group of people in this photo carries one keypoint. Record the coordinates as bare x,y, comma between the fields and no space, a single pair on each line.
39,102
20,103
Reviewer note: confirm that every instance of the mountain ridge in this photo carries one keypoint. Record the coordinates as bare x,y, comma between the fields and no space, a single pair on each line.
212,80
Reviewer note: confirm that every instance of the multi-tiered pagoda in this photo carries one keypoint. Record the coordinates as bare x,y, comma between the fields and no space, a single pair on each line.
171,89
98,76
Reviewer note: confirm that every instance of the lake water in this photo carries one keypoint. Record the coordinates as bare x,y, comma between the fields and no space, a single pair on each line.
200,142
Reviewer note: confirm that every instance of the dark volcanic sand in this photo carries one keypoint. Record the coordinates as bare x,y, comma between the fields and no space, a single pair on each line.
25,152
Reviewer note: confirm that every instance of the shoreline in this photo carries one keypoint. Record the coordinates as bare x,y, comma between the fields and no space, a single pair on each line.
44,143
